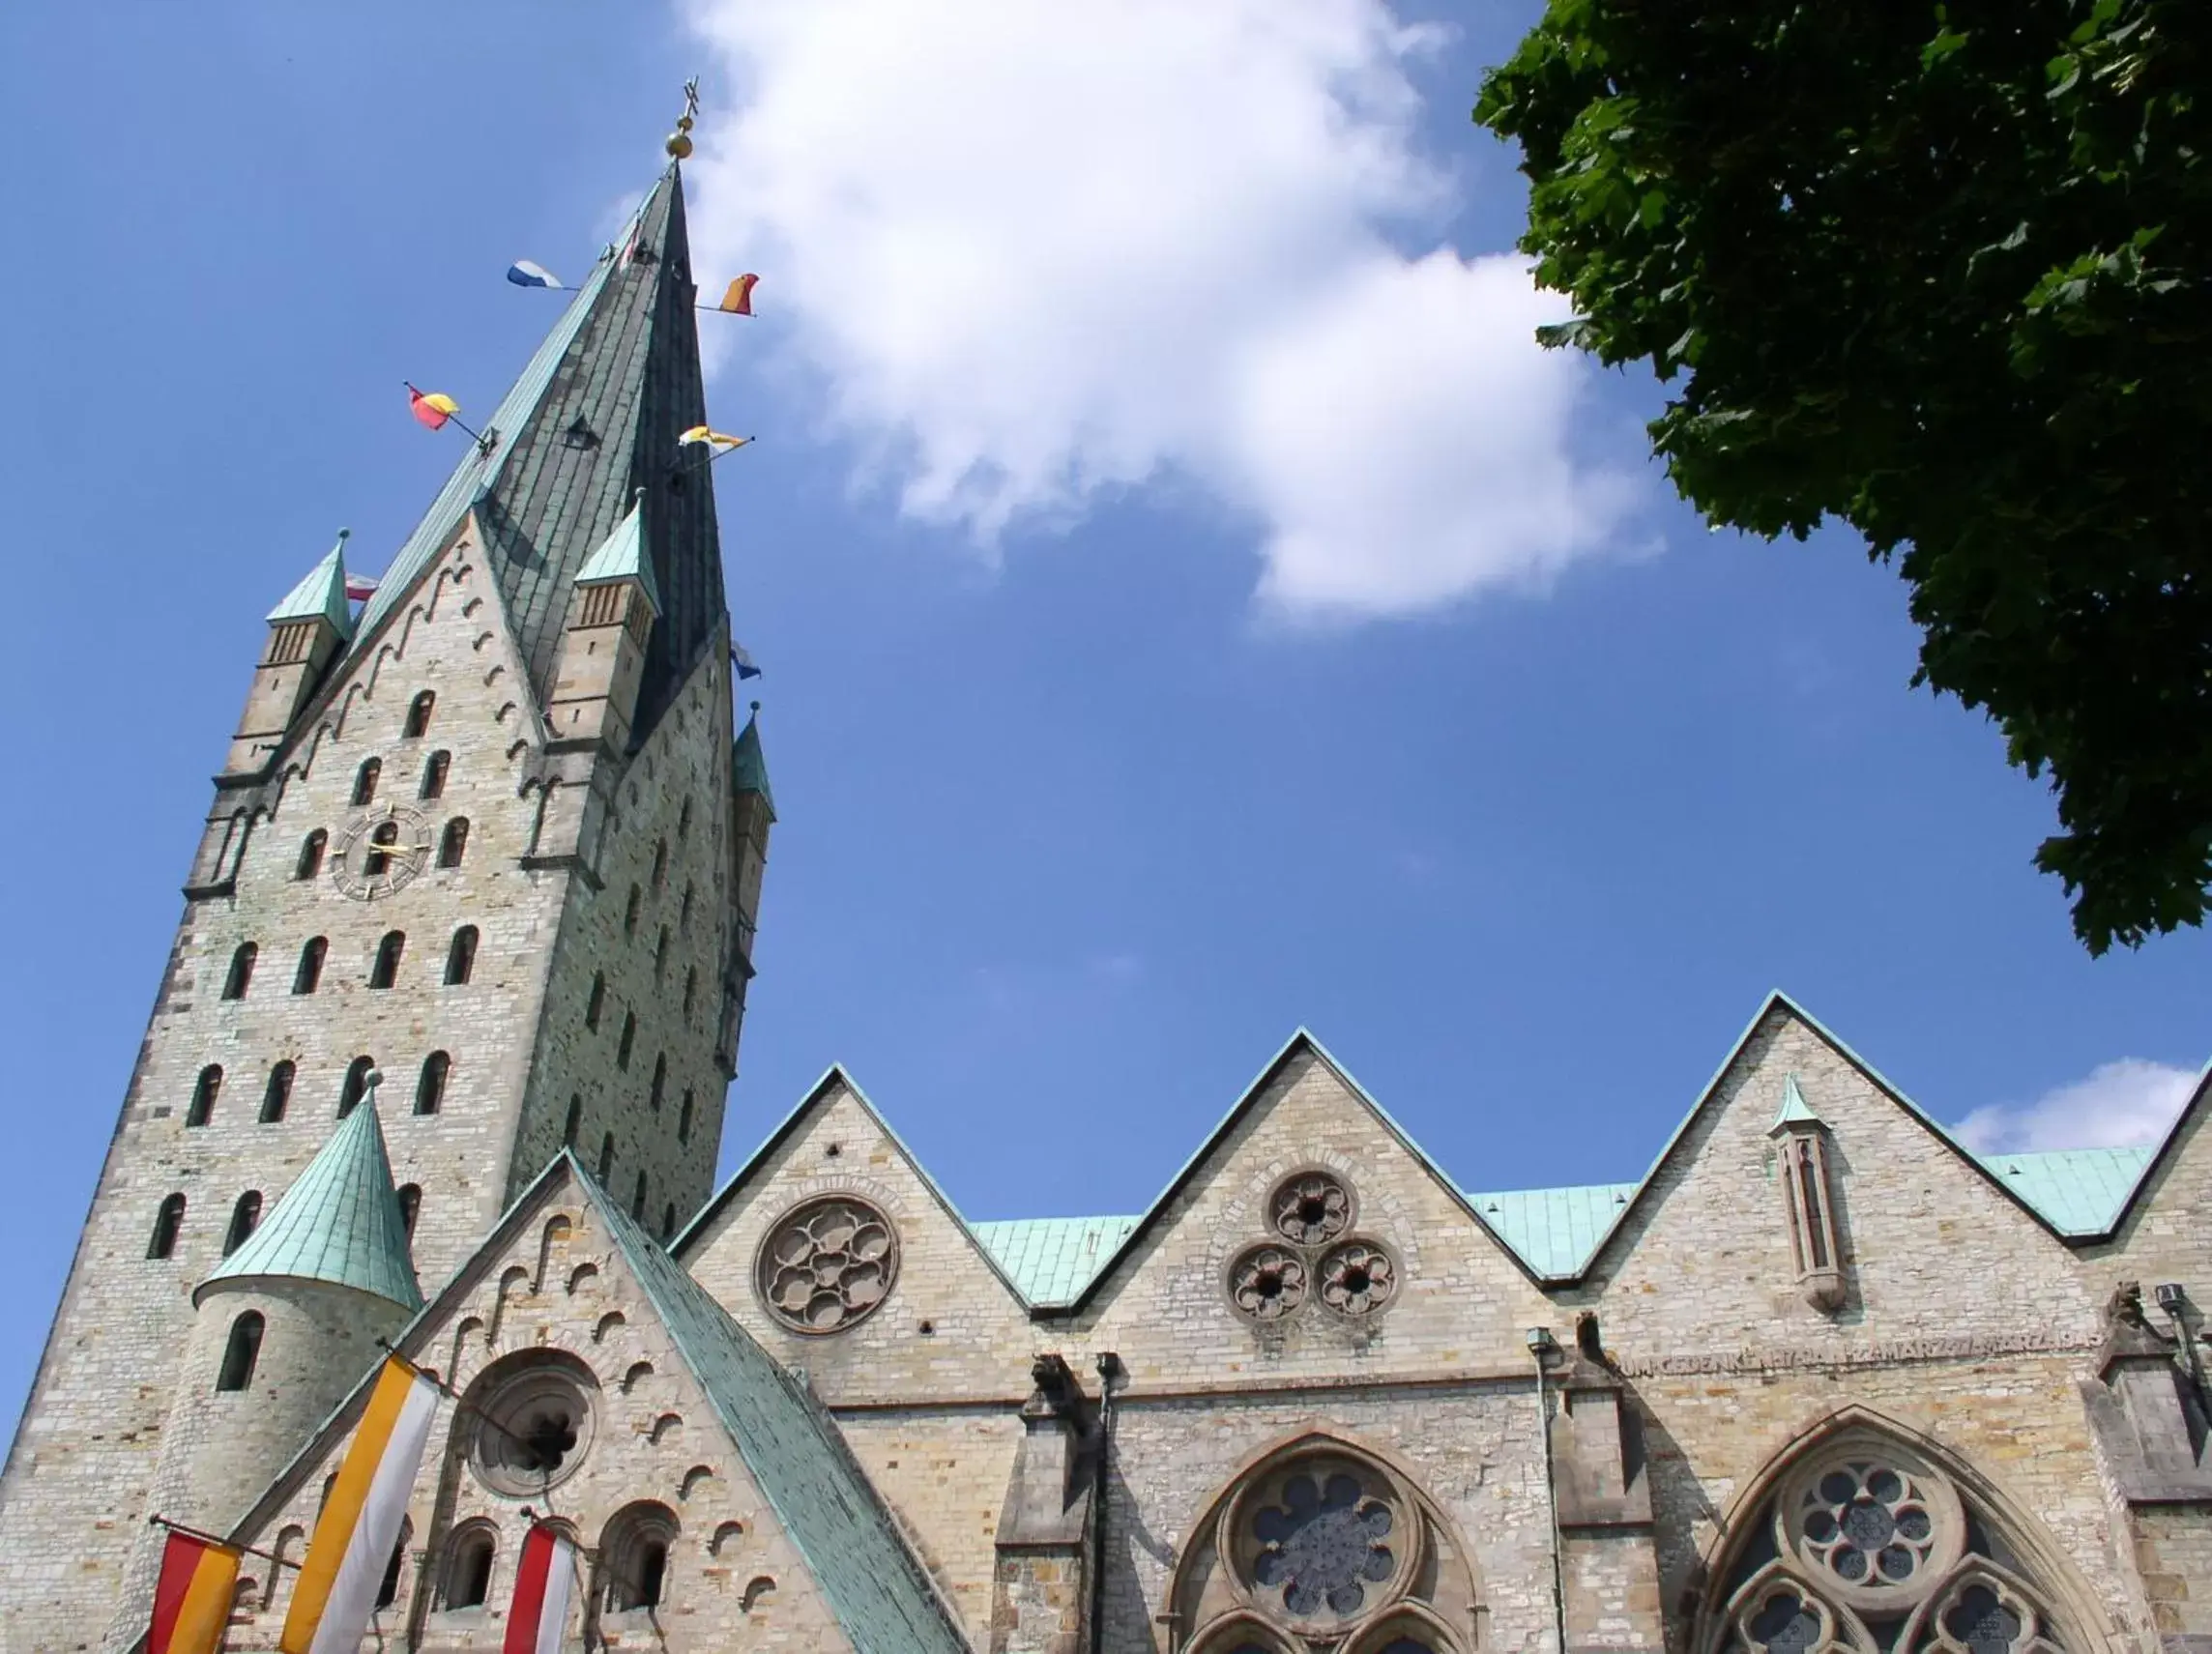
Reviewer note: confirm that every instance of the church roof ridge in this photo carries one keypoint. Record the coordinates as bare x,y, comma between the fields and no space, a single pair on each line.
320,595
340,1222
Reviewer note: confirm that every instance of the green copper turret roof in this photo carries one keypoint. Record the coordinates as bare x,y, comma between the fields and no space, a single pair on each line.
340,1222
622,556
1795,1110
321,596
749,765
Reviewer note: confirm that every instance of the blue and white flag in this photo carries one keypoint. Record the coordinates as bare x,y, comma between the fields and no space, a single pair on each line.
525,274
744,662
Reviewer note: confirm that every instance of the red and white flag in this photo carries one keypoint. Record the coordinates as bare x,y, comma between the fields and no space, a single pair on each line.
539,1616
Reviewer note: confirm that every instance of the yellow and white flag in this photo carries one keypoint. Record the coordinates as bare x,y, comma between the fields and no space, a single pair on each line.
359,1524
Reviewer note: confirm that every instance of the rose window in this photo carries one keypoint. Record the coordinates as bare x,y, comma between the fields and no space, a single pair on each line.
1357,1278
532,1419
1874,1526
1267,1282
1323,1545
827,1264
1311,1209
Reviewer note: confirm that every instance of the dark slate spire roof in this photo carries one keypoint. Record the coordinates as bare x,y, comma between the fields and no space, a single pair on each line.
594,418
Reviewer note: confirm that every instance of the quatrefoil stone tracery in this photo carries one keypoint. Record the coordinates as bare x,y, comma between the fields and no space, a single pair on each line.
1310,1208
1311,1254
827,1264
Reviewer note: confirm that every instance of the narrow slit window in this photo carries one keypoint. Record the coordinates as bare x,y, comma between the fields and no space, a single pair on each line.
660,955
205,1091
574,1122
419,715
637,1201
659,1078
683,1118
462,957
606,1156
1814,1208
385,971
630,911
430,1088
453,842
667,1220
683,821
690,993
242,1217
410,1206
241,1354
167,1223
311,848
659,864
684,914
310,976
356,1085
434,769
628,1039
239,976
276,1095
364,780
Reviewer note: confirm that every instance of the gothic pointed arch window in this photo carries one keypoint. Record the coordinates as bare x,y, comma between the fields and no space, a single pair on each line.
418,711
276,1095
364,780
1864,1543
430,1086
239,976
453,842
462,957
311,848
241,1354
205,1091
1322,1544
167,1223
243,1216
435,770
385,971
309,974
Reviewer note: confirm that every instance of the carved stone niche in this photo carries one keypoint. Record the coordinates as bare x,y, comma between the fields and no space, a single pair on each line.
2150,1430
1597,1445
1801,1147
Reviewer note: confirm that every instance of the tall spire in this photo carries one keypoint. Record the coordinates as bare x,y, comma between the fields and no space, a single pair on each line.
592,420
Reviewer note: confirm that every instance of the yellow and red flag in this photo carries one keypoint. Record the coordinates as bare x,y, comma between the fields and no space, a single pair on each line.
433,408
361,1521
738,300
191,1600
716,443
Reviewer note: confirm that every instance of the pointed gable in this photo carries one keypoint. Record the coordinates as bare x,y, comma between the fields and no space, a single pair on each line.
594,418
340,1222
322,595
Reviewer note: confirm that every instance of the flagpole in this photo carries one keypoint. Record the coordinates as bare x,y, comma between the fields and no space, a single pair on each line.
220,1544
452,418
460,1406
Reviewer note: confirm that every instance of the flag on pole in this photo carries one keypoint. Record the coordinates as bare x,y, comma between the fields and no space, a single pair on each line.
525,272
542,1581
739,300
720,443
191,1600
742,659
359,1524
360,588
433,408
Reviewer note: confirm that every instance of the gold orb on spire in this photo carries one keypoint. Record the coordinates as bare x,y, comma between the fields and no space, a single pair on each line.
678,144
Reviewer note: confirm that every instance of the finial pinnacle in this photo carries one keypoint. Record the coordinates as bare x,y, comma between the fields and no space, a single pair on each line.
344,535
756,706
678,144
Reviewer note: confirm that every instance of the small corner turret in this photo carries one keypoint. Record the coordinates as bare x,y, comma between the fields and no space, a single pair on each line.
306,631
602,655
752,813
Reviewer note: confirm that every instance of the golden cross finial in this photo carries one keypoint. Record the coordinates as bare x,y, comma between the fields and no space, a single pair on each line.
679,142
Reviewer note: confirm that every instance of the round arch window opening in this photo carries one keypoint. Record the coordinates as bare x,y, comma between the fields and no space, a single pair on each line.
534,1423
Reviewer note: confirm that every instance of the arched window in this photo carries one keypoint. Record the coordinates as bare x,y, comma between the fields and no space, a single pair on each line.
596,1001
637,1201
633,1552
453,842
628,1039
683,1118
468,1568
240,1352
418,722
364,780
205,1090
277,1097
356,1085
659,1078
166,1222
606,1156
690,993
383,844
462,957
659,864
388,1587
660,955
410,1204
311,849
241,975
242,1217
667,1220
574,1123
434,772
430,1088
310,976
630,912
382,974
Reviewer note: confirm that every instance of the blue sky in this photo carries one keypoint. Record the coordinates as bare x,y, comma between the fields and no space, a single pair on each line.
1190,608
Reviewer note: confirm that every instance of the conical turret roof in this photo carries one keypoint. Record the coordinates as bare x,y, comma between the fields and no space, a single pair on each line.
749,765
1795,1110
340,1222
321,596
622,556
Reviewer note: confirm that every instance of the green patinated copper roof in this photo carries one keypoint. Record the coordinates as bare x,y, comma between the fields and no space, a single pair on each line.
321,596
1049,1260
340,1222
622,556
2079,1191
749,765
1554,1231
882,1597
1795,1110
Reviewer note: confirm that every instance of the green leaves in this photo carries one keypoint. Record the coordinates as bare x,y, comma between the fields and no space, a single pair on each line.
1951,287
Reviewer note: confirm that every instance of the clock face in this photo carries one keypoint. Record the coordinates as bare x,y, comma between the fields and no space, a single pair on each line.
381,849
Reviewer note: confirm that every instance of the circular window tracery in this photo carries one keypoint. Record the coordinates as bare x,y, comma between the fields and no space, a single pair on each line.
534,1419
1311,1209
1879,1529
1311,1254
1322,1543
1357,1278
1267,1282
827,1264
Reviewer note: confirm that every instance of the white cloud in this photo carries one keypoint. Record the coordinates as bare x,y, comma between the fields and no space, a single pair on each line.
1038,254
2130,1101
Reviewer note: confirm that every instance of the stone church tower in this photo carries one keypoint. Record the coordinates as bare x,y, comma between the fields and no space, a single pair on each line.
494,840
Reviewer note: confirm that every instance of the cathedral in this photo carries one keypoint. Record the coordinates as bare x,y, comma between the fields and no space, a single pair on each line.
436,1069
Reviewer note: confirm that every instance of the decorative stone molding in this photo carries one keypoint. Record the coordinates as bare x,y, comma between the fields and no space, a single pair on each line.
826,1264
